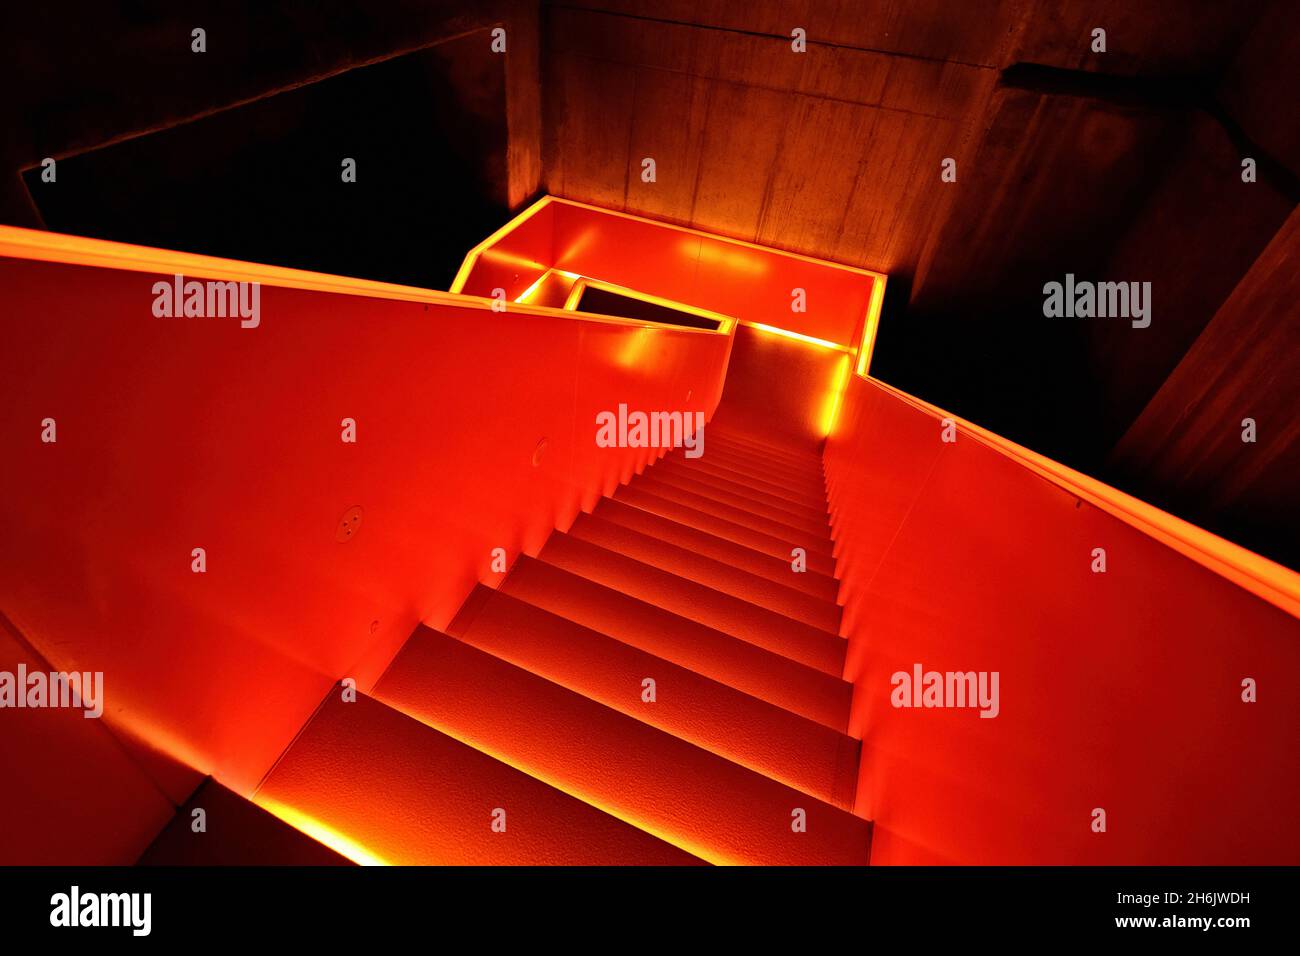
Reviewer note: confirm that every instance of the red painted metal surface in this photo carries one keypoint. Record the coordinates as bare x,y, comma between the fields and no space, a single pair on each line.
797,687
697,602
774,596
783,390
705,804
734,278
1119,690
387,789
475,431
64,776
709,713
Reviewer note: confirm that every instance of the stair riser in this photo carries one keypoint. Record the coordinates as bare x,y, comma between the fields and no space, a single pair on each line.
820,586
817,560
721,719
744,449
742,514
407,794
774,471
713,808
775,632
703,570
723,490
796,687
801,493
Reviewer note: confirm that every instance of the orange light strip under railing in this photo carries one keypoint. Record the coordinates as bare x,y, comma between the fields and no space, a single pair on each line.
870,325
797,336
531,291
1265,579
835,398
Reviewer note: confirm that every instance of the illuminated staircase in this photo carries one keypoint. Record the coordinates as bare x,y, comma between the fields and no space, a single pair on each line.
657,683
532,712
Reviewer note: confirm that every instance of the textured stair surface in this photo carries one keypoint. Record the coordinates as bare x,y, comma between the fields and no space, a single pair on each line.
710,468
661,684
760,518
701,569
670,473
775,569
707,606
706,712
697,800
408,794
801,482
782,547
805,690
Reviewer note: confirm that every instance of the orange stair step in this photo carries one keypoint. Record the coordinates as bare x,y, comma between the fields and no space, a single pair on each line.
795,460
714,808
746,730
742,513
766,442
708,606
760,466
760,563
801,494
407,794
819,695
818,557
807,486
707,571
670,468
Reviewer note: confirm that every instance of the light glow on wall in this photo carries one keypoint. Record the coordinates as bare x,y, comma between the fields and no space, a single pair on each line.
835,398
320,832
870,325
797,336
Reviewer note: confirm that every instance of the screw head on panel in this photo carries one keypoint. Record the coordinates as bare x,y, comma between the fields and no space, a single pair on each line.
349,524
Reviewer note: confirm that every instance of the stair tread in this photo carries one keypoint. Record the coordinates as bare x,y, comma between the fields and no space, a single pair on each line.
819,560
725,577
733,431
774,469
809,487
817,694
703,803
721,549
795,461
741,513
763,442
800,493
723,720
697,602
670,468
409,794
